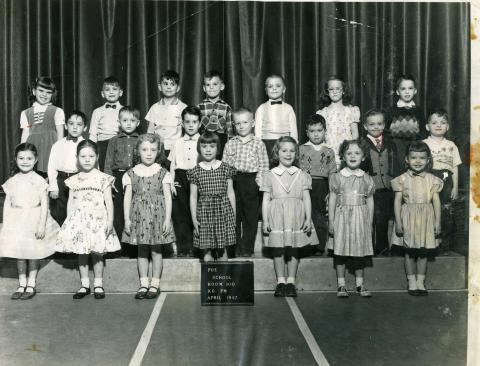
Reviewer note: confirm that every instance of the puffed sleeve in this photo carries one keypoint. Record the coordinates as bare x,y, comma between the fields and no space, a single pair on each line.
322,112
167,179
7,186
355,114
370,185
126,179
230,171
41,185
436,184
306,181
397,183
266,184
70,182
192,176
334,183
107,181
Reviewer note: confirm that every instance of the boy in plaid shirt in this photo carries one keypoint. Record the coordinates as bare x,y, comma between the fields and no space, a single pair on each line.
216,113
248,155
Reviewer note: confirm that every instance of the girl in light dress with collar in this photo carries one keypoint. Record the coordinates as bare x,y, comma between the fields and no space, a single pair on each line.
286,212
350,210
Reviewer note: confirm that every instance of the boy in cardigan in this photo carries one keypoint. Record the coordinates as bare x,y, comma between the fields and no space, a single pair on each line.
247,153
318,160
382,164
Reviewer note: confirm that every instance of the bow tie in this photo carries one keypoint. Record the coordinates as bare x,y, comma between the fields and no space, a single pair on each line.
275,102
113,106
70,138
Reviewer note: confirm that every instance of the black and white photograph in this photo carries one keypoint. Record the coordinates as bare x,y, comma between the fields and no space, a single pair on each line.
239,183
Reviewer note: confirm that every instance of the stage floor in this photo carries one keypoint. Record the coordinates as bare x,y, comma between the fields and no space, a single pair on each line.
391,329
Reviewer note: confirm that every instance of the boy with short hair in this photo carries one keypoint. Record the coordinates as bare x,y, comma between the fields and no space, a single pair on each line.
216,113
318,160
104,122
382,164
165,117
119,159
247,153
184,156
62,164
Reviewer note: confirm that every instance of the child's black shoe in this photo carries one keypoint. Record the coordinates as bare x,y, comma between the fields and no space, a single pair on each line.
290,290
279,290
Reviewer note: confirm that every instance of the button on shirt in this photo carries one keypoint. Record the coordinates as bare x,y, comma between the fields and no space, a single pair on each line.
104,123
120,152
183,154
63,158
445,153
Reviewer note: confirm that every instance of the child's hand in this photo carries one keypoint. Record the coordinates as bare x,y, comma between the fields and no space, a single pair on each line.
40,234
173,189
398,229
266,227
438,230
196,228
115,188
307,226
331,228
127,226
454,194
108,230
54,195
167,227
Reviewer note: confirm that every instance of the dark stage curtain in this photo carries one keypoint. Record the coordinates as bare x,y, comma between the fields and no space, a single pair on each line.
78,43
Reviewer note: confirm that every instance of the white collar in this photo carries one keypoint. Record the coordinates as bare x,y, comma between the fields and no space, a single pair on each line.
315,147
431,140
279,170
213,166
404,104
38,105
244,139
374,139
348,173
146,171
193,138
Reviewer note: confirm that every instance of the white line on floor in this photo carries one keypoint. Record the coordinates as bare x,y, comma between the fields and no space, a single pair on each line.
147,333
307,334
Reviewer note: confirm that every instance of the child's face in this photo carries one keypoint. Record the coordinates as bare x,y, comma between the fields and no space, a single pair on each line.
417,161
437,125
128,122
168,88
191,124
406,90
75,126
316,133
148,152
42,95
87,158
208,151
374,125
286,154
111,93
25,161
353,156
275,88
213,86
335,90
243,123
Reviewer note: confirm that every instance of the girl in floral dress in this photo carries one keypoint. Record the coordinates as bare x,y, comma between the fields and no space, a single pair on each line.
88,229
148,211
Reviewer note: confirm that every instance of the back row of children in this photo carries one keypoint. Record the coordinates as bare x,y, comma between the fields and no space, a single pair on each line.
208,187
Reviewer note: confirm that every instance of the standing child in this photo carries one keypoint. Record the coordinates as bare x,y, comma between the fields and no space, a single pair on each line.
406,120
165,117
216,113
118,160
184,156
381,163
62,164
318,160
417,214
28,232
446,159
148,211
88,229
104,123
212,201
341,117
286,212
248,155
42,124
350,209
275,118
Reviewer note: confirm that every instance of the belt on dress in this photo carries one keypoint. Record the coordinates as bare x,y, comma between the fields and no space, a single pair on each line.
18,206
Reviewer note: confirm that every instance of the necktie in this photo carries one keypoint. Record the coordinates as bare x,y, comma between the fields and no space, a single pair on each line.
113,106
378,143
273,102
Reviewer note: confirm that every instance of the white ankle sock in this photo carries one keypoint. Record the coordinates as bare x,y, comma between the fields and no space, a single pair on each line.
143,281
98,282
85,282
412,282
421,282
359,281
281,280
291,280
22,280
341,281
155,282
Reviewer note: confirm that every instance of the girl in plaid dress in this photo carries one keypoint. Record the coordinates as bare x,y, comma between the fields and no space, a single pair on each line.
212,200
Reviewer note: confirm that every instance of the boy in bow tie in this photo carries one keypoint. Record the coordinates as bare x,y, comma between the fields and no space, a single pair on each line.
104,123
62,164
382,164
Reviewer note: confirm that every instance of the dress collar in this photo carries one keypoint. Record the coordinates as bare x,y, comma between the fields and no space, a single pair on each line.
191,138
413,174
146,171
402,104
213,166
279,170
245,139
348,173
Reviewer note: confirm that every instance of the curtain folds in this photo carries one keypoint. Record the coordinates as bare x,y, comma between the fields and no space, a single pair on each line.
79,43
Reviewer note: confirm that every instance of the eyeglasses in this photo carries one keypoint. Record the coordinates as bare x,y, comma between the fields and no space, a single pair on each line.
334,89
